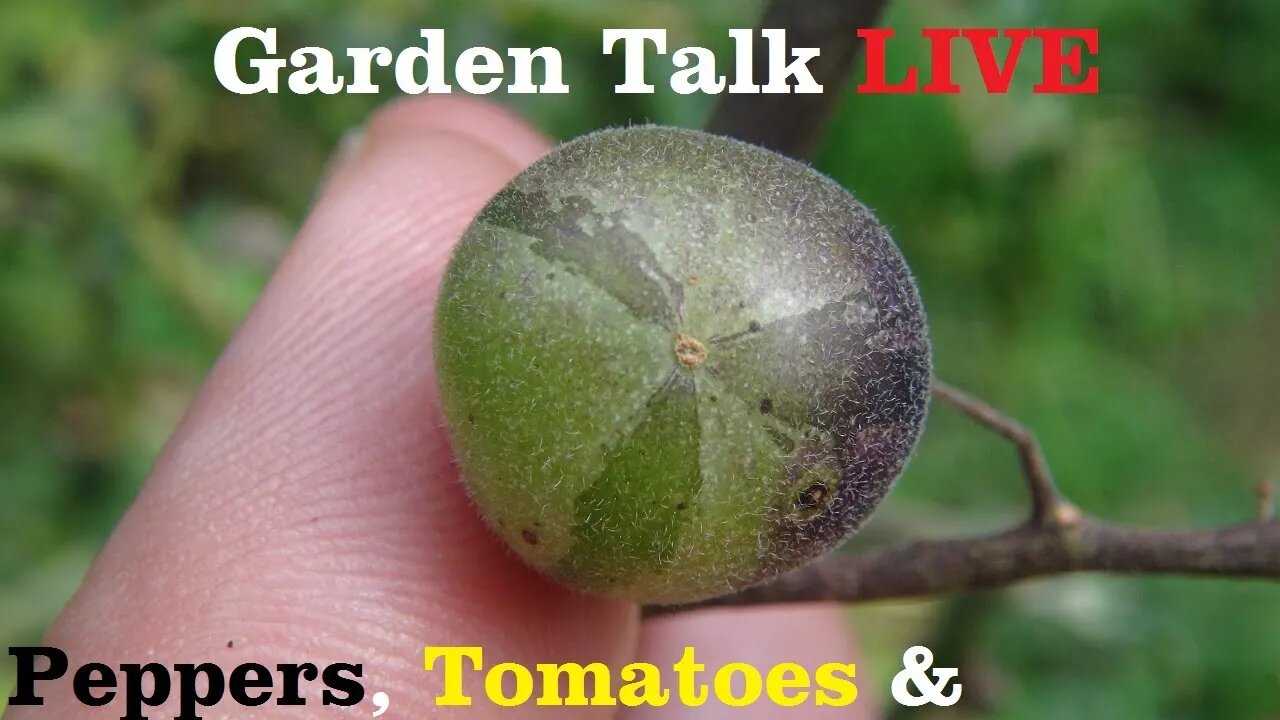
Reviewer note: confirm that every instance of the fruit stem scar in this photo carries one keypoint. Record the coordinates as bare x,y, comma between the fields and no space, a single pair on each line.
690,352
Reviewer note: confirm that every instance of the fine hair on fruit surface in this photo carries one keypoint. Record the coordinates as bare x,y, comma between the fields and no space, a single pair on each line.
674,364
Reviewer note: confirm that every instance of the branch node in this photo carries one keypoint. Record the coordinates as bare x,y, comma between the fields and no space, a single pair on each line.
1266,501
1065,515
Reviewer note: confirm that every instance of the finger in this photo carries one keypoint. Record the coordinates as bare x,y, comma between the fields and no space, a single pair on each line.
308,508
763,637
489,125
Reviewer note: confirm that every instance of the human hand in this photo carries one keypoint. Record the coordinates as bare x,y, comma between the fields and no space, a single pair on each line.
307,509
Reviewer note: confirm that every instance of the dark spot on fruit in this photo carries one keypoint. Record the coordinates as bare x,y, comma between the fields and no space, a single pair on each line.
812,497
551,276
471,419
682,506
742,304
231,643
766,406
714,398
753,326
529,536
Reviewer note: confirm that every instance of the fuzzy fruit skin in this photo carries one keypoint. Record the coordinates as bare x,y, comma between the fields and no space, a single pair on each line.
674,365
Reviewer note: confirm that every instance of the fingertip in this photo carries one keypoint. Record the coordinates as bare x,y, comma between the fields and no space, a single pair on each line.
481,121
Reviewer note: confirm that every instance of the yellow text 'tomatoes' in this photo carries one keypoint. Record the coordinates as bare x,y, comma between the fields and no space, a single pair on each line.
510,684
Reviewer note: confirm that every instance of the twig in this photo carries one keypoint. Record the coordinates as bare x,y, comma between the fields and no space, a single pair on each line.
1047,504
792,124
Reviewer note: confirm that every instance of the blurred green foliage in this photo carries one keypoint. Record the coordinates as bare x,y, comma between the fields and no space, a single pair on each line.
1105,267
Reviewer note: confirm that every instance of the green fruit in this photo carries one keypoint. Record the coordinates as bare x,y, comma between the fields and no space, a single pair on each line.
674,364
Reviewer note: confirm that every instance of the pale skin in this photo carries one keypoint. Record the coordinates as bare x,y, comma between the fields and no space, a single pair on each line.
307,508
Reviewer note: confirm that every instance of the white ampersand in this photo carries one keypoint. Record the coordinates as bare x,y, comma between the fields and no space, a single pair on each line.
916,661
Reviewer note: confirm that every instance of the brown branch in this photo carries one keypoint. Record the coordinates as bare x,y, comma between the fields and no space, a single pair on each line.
1056,539
792,124
947,566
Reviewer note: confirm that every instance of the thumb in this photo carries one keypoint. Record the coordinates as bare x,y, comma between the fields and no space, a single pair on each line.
307,509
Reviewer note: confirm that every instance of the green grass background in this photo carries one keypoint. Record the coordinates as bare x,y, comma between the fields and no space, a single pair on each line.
1104,267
